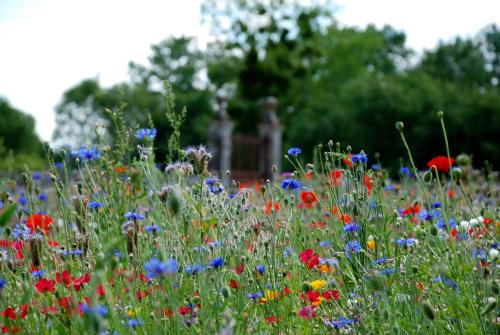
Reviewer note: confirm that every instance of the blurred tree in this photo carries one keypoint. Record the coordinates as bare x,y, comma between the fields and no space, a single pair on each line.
19,144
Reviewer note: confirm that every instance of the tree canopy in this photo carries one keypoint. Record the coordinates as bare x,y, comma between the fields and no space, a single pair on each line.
332,82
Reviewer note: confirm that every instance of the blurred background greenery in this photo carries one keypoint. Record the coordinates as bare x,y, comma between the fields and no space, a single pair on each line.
332,82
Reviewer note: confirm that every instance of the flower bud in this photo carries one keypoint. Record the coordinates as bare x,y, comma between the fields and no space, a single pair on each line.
427,177
399,126
440,114
457,173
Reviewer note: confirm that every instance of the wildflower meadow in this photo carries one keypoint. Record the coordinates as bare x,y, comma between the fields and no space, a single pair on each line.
112,240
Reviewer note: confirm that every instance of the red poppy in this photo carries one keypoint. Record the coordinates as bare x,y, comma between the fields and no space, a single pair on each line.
9,313
183,310
271,319
35,221
347,160
309,258
411,210
442,163
233,284
239,268
335,178
78,283
270,206
24,310
53,243
45,285
331,294
5,244
345,218
100,290
368,184
312,296
308,199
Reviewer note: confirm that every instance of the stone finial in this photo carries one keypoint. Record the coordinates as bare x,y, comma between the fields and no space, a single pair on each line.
269,106
221,110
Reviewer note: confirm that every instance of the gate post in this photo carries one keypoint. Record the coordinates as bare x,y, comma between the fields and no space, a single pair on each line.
220,138
270,131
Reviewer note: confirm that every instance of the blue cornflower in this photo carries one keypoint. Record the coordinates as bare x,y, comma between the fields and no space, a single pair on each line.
1,204
37,175
260,268
352,246
389,187
380,261
255,296
94,204
152,229
388,271
21,232
479,253
214,185
341,322
329,261
100,310
43,196
376,167
405,171
292,152
146,132
156,268
216,263
195,268
447,281
133,323
290,184
23,201
58,165
38,273
324,244
87,154
288,252
3,283
352,227
436,204
359,158
214,244
76,252
134,216
402,242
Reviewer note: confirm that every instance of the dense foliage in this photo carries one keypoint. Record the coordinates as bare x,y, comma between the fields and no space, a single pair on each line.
117,246
19,144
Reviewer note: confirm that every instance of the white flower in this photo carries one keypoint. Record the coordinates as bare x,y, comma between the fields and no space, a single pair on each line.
473,222
464,225
494,253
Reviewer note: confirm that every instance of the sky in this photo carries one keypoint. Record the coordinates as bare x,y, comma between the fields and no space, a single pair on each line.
48,46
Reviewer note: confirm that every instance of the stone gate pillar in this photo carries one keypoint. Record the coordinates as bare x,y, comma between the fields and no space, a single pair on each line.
220,139
270,132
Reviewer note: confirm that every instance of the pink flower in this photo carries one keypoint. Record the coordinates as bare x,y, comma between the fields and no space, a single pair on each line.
307,312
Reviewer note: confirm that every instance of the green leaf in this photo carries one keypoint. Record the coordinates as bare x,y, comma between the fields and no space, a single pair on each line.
7,215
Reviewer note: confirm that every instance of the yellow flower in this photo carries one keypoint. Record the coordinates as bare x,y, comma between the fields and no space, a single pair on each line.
371,244
131,312
271,295
318,284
